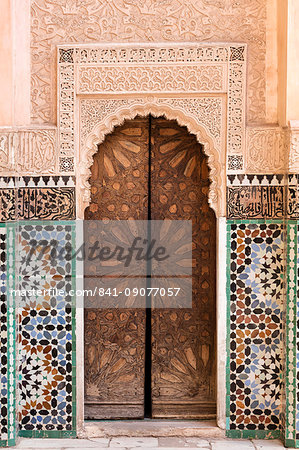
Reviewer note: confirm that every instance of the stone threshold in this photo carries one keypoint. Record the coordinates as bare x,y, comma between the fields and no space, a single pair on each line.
152,428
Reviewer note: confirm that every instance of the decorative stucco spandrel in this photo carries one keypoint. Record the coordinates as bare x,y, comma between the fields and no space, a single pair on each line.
55,22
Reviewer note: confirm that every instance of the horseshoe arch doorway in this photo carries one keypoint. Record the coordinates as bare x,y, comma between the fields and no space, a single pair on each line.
158,363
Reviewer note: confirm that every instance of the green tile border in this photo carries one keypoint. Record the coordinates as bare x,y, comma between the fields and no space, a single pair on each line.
290,328
12,322
290,443
53,434
253,434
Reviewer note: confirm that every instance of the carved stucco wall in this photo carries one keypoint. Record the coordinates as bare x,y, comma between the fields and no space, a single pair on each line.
213,109
56,22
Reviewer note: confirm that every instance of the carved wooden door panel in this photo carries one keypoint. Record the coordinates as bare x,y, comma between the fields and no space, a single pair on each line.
179,343
183,340
115,338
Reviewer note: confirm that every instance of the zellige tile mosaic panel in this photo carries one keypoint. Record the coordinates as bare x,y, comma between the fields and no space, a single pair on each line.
47,332
255,284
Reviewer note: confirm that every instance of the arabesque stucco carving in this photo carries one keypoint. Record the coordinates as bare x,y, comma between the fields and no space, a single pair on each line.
56,22
213,111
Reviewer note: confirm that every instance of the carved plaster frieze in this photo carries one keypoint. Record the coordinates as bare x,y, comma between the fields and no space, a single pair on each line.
204,116
148,54
152,79
266,150
207,85
31,151
236,104
208,112
7,146
93,132
143,69
55,22
294,147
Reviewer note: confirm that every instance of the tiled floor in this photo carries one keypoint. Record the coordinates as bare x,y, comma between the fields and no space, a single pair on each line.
165,443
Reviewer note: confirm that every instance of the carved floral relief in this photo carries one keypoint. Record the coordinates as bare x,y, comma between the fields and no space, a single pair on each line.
55,22
155,79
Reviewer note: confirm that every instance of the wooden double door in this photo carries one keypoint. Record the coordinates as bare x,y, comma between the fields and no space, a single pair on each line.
158,363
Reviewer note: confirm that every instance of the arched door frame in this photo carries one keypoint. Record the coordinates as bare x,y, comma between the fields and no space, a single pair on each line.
216,200
202,86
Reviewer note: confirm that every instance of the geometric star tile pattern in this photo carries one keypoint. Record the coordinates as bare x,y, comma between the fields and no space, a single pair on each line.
47,383
46,329
3,336
255,295
297,330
